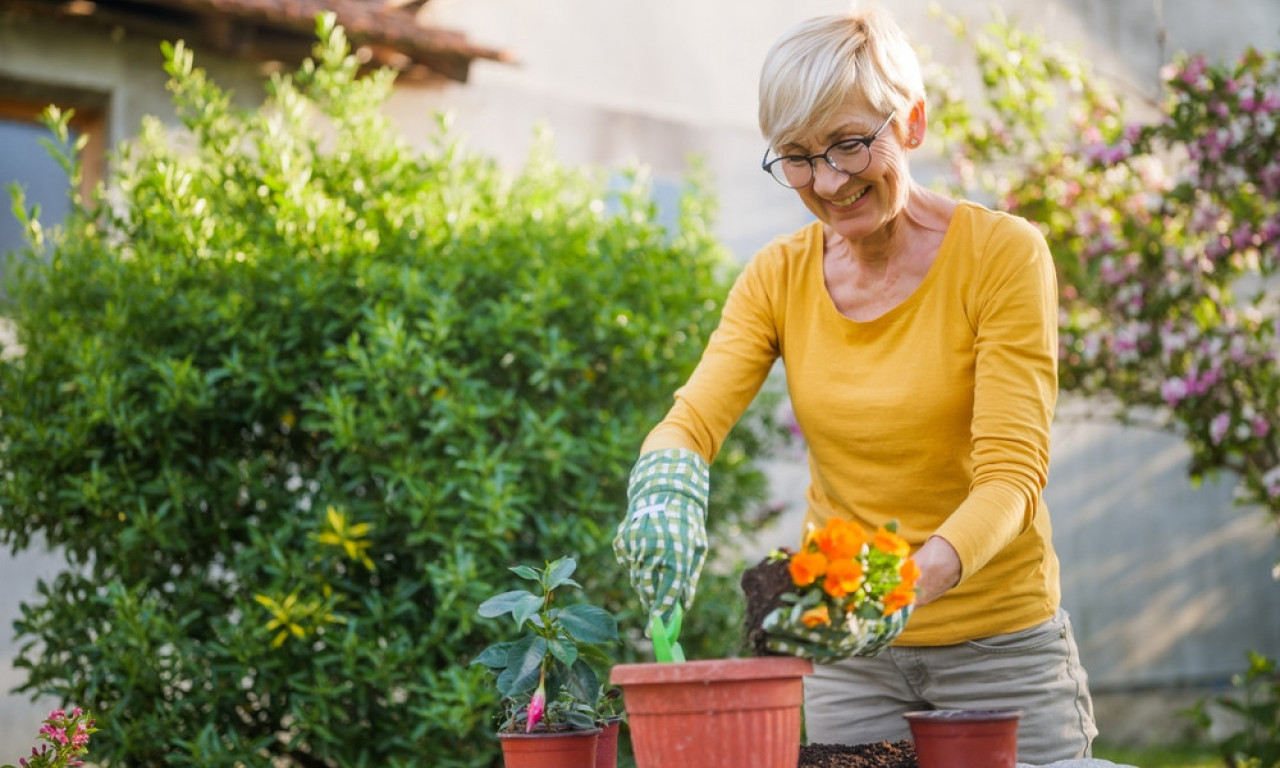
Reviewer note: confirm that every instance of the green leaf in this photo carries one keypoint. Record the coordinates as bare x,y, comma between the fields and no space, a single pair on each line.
581,681
495,656
524,667
525,572
503,603
566,652
589,623
558,572
527,607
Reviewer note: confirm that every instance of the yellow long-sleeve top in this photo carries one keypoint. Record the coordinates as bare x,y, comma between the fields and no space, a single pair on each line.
935,414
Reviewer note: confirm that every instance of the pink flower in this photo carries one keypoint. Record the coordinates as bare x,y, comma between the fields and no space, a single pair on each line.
1218,427
1173,391
538,704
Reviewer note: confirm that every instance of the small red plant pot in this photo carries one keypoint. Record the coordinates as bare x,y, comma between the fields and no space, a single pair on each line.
965,738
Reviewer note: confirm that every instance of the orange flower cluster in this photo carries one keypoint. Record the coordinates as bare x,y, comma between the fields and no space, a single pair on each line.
854,569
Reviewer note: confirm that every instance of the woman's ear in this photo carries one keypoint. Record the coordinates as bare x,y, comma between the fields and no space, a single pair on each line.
917,123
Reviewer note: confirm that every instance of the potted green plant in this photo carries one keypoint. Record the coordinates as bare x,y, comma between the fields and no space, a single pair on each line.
550,691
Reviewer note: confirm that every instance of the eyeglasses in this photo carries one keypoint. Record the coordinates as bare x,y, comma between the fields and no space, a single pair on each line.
848,156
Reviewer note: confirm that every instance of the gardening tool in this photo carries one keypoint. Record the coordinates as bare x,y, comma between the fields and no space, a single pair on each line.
666,645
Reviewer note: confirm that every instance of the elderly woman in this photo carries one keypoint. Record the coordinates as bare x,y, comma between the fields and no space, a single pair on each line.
918,334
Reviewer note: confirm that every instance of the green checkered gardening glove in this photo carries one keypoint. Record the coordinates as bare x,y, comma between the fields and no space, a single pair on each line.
663,541
786,633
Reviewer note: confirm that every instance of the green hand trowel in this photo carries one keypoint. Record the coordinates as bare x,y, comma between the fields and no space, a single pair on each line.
666,646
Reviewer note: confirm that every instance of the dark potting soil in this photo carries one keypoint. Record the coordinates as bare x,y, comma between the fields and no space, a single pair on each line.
882,754
763,585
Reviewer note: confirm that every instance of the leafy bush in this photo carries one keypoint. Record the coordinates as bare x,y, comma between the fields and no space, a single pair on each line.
1252,708
292,397
1165,229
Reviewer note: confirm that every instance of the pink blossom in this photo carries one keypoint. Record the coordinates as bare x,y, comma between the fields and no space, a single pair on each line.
537,705
1173,391
1193,70
1271,482
1218,427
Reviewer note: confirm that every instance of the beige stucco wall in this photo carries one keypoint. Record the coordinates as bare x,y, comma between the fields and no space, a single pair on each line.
656,80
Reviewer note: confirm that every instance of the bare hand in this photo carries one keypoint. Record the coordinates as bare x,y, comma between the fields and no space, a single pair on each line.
939,569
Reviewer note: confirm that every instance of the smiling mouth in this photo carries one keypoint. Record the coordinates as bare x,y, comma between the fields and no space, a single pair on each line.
851,199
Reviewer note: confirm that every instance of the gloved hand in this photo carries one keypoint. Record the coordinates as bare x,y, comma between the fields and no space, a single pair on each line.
786,633
663,541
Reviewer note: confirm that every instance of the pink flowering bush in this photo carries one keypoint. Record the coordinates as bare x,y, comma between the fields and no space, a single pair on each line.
66,740
1166,230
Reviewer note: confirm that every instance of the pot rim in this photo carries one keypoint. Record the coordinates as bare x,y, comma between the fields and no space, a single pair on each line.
746,668
962,715
548,734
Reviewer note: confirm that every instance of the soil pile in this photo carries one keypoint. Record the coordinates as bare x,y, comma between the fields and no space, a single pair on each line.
880,755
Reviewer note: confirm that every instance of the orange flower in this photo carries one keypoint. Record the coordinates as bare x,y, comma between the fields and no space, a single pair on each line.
816,617
891,543
806,567
843,577
840,539
899,597
909,572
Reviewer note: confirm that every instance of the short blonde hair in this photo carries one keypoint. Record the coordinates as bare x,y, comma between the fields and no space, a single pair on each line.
819,64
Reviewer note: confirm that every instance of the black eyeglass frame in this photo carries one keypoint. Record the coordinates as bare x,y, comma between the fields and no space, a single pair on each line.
865,141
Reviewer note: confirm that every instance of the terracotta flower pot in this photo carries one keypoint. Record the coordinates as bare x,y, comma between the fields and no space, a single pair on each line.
607,748
566,749
719,713
965,738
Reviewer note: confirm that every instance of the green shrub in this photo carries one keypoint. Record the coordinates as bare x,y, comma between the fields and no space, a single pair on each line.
291,399
1251,713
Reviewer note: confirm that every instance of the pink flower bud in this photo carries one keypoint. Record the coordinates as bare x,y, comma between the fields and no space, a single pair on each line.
537,705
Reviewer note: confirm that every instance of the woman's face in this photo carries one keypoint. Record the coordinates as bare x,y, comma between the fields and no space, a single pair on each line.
861,205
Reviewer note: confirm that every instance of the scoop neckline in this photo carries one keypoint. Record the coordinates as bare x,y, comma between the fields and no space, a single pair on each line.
906,304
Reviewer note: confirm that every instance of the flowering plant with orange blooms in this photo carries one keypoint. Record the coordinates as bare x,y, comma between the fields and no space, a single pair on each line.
853,592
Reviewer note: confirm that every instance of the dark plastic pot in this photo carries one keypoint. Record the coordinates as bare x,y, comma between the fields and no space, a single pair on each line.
965,738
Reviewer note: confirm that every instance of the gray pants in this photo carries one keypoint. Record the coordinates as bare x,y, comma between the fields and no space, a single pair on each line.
1036,670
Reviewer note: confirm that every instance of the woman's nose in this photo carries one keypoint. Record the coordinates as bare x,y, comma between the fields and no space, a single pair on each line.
827,180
